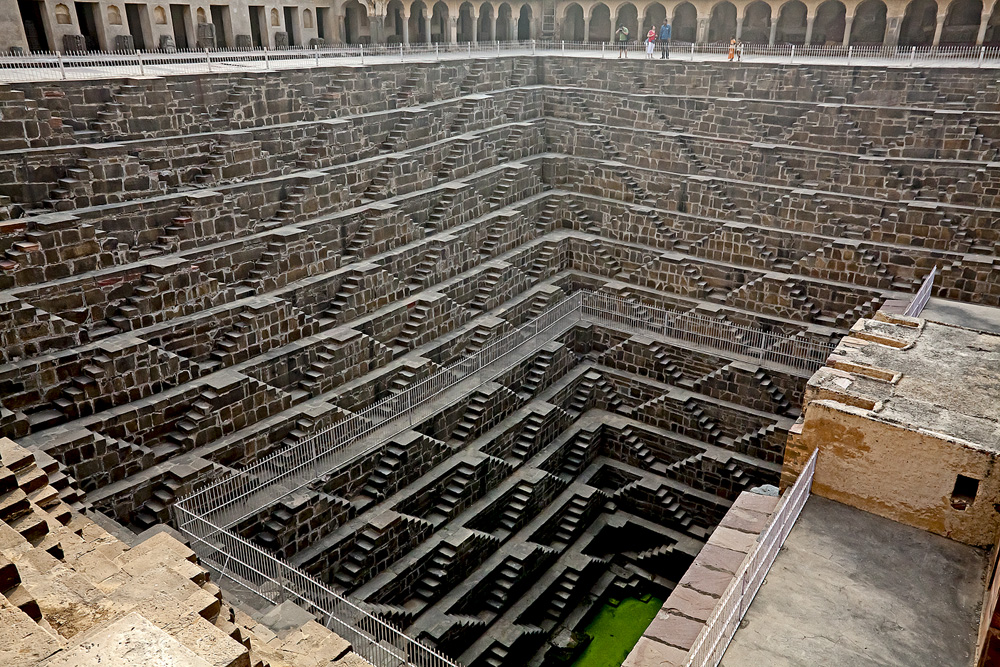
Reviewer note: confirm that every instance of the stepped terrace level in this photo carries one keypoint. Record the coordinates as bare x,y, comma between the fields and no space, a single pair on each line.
204,277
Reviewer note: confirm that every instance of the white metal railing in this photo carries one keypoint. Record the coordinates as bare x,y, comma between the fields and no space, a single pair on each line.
45,66
922,296
206,516
721,626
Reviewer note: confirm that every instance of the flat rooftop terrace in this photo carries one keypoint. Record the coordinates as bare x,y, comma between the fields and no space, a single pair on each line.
850,588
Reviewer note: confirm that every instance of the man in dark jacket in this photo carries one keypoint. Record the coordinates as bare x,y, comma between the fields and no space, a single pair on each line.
665,39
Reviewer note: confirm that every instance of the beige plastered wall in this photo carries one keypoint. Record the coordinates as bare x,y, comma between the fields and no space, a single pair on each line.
903,474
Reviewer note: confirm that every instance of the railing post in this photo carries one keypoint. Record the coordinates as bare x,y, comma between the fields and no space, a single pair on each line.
913,53
208,60
850,53
791,58
532,47
982,55
564,47
692,51
400,52
316,53
361,47
267,61
62,67
142,69
602,49
437,52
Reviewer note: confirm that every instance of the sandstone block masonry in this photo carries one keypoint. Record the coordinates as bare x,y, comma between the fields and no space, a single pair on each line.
198,272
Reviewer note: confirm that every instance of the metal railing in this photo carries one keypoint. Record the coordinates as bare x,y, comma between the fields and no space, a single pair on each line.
206,516
45,66
922,296
713,332
721,626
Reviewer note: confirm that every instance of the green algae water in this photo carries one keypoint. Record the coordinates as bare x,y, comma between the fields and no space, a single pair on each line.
616,629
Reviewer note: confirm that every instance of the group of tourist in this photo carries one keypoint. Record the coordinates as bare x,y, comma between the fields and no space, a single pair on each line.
735,45
651,38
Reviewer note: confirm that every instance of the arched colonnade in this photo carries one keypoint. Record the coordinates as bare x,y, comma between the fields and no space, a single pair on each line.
430,21
816,22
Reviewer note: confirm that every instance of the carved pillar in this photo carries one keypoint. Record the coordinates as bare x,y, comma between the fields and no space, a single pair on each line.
427,28
848,20
939,28
406,27
892,26
984,23
739,22
454,30
810,20
774,29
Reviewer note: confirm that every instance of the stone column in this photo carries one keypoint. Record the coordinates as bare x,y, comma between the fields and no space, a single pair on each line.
984,23
406,27
774,29
702,35
475,26
939,28
848,20
427,27
810,20
454,30
739,22
493,30
586,28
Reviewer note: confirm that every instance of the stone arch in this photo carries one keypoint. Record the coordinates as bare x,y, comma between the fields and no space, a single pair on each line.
355,22
466,24
574,28
485,23
115,15
418,22
722,25
831,19
654,15
992,37
919,23
756,23
439,23
524,23
684,26
791,28
600,23
961,25
394,22
628,16
503,23
63,16
869,23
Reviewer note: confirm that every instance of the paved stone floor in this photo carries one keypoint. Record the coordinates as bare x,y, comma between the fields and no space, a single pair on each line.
851,589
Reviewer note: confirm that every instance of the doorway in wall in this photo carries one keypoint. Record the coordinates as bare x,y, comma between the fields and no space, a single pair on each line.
293,39
134,15
180,29
86,16
219,20
258,18
34,28
321,22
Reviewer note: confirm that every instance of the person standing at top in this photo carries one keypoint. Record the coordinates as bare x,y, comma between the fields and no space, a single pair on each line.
622,34
650,42
665,40
732,49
